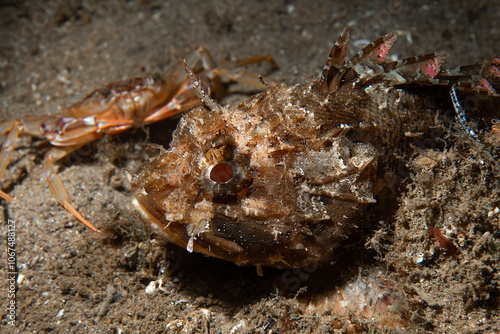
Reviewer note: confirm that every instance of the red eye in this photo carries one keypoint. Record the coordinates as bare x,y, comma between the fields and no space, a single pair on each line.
221,173
223,180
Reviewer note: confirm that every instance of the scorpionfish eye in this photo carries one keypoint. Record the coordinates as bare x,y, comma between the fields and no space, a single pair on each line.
221,172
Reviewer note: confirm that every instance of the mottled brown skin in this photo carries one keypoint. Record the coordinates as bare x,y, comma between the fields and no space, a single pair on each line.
304,160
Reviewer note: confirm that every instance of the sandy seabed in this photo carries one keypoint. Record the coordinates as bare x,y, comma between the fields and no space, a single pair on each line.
52,54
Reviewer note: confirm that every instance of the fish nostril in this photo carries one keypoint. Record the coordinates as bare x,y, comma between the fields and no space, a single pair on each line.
221,173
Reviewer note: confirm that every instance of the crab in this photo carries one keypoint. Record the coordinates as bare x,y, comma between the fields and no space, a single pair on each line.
118,107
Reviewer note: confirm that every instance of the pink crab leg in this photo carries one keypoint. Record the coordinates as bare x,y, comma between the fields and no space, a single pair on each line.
186,98
251,60
57,188
69,131
5,156
243,77
230,70
5,196
75,132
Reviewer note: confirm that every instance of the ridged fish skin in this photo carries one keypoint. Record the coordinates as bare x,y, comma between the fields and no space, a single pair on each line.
284,178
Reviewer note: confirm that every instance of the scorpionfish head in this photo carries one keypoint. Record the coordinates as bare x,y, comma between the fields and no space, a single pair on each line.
268,182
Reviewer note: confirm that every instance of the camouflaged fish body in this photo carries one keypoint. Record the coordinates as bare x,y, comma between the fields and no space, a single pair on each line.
283,178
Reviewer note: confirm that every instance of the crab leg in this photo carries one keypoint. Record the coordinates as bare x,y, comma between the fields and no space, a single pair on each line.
57,188
186,98
75,132
230,70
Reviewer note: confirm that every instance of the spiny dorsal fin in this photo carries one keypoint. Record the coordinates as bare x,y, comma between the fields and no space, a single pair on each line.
482,77
334,63
425,70
368,62
336,58
337,71
428,65
408,70
376,51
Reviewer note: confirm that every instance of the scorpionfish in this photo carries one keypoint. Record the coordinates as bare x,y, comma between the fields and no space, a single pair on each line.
284,178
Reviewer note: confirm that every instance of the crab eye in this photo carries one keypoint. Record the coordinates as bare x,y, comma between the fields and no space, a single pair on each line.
221,173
